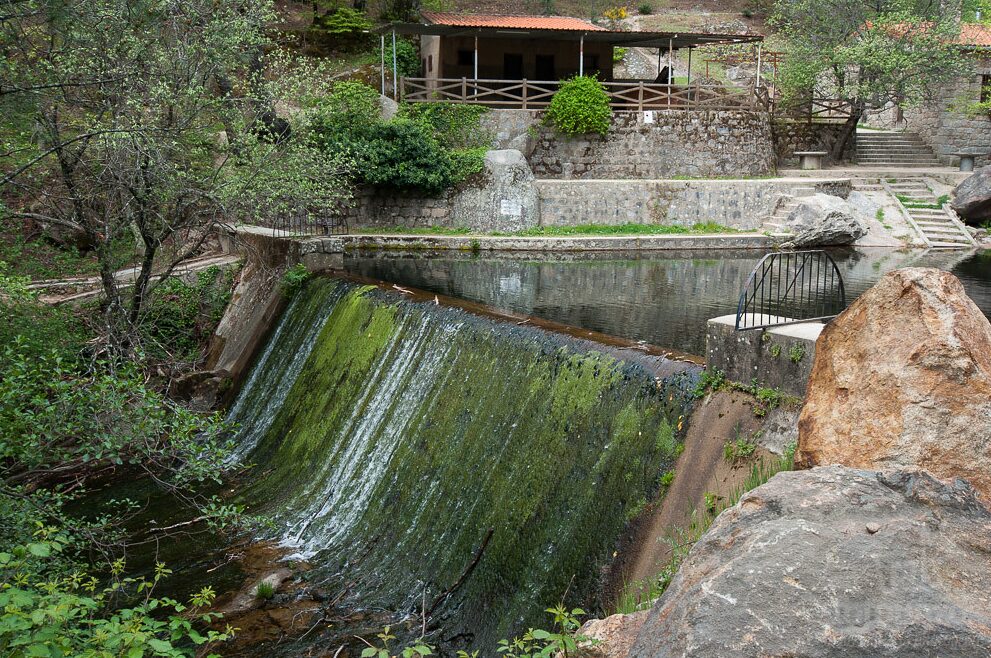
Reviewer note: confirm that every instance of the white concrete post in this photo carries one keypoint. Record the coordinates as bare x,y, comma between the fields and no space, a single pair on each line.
581,55
670,61
383,65
395,69
476,59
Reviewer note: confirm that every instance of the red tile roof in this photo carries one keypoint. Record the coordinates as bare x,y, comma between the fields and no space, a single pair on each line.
565,23
975,34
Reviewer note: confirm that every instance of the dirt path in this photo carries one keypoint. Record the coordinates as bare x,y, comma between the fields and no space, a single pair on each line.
701,469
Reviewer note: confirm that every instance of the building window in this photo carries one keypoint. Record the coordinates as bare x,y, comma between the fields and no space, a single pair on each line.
466,58
985,88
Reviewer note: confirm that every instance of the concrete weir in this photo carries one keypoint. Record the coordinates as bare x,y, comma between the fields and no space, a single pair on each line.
777,357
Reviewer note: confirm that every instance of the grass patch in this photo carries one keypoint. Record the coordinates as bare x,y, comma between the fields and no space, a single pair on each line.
625,229
561,231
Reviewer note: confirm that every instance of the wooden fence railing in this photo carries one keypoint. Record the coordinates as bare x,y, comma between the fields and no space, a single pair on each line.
531,94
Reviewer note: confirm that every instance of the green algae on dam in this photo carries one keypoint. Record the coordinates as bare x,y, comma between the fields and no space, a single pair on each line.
431,457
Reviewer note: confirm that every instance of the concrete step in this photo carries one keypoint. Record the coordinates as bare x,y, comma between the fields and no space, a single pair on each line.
949,245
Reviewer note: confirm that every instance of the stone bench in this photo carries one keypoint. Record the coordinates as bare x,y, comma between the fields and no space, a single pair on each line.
967,160
810,159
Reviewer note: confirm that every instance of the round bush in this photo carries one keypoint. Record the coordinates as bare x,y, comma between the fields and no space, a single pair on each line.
580,107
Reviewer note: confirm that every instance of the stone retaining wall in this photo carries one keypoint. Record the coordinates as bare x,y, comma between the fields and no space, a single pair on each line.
791,136
738,204
779,357
946,125
661,144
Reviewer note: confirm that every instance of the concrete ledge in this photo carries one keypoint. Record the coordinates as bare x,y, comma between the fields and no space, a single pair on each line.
779,357
346,243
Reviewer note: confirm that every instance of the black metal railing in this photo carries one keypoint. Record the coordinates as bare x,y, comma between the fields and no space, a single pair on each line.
298,222
789,287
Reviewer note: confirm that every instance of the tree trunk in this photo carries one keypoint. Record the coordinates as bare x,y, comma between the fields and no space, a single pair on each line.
849,129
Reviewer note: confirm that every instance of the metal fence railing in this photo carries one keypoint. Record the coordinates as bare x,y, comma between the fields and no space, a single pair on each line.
299,222
789,287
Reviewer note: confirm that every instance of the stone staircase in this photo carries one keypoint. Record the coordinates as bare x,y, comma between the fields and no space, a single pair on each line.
893,149
776,225
938,226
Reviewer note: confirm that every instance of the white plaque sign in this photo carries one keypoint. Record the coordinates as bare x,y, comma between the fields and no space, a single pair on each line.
511,207
648,116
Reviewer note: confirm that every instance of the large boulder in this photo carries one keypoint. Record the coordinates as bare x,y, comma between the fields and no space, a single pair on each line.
834,562
972,198
611,637
505,200
824,220
902,378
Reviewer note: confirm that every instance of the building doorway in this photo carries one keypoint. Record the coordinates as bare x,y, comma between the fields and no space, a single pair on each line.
545,67
512,66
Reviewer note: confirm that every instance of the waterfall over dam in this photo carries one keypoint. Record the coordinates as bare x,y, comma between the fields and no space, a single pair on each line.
434,458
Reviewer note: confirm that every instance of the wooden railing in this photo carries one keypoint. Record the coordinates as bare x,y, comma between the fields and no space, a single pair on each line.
626,95
816,109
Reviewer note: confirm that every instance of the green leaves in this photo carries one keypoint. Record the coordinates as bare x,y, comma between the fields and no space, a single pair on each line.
61,616
870,54
580,107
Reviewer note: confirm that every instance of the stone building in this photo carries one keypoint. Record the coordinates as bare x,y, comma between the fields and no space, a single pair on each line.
949,124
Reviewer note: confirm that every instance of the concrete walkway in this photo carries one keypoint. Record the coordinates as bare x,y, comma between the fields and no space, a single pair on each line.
346,243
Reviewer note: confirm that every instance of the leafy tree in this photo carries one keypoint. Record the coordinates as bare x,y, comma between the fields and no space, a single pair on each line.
869,54
139,132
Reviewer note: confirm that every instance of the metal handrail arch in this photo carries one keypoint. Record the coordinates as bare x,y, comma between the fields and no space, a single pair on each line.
791,287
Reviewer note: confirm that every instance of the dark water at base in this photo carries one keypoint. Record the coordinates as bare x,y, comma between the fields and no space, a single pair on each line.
662,298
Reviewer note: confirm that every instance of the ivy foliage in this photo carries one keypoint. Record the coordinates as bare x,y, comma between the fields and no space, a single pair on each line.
425,148
580,107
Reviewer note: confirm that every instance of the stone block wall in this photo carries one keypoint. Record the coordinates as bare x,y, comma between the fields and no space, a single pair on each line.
740,204
779,357
676,143
945,125
795,135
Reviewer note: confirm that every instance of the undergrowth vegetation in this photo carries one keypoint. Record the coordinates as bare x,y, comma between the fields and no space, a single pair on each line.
426,147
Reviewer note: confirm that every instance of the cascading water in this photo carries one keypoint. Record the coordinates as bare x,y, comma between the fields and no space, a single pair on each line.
431,457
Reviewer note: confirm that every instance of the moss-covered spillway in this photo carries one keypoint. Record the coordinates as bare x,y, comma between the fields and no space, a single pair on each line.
394,439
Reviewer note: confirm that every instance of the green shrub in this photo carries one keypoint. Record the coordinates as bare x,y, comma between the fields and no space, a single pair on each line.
407,58
455,125
351,107
181,317
580,107
48,613
619,54
646,8
796,353
40,328
403,154
348,26
293,280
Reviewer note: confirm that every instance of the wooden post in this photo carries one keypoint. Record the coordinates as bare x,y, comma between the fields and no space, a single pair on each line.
640,97
689,84
758,64
524,93
464,90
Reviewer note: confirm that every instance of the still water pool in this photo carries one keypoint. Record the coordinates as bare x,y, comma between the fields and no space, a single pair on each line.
662,298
